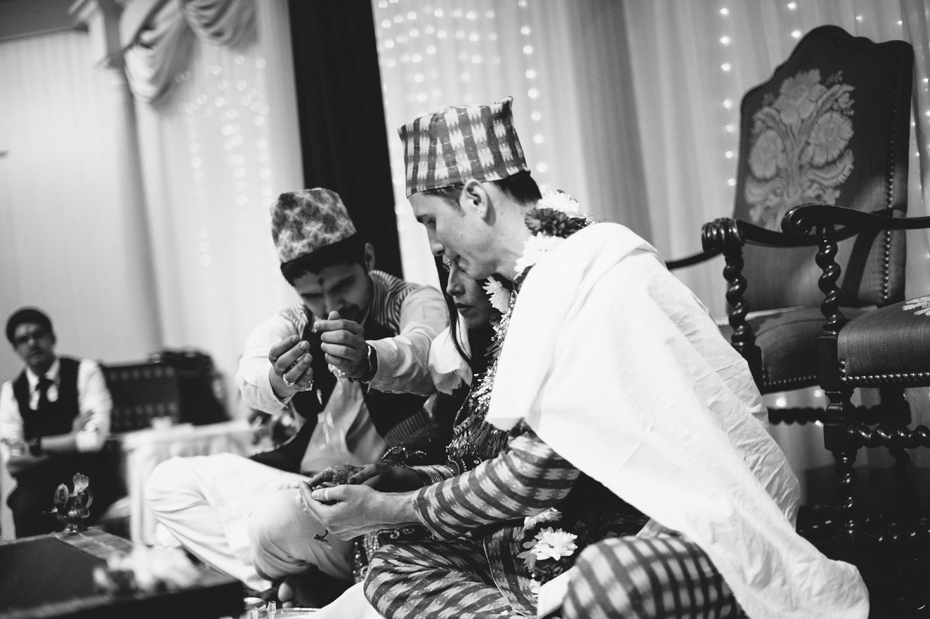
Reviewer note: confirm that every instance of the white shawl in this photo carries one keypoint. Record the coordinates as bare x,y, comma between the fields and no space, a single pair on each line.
618,367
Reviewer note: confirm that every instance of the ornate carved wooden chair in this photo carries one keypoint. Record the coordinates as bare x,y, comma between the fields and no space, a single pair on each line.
830,126
830,131
888,349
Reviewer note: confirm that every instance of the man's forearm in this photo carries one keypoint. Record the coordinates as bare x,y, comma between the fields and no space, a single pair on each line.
60,444
397,509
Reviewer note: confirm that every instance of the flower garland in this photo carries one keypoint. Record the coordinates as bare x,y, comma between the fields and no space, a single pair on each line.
548,551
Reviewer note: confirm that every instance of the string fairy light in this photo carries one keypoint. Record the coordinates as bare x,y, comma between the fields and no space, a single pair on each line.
726,67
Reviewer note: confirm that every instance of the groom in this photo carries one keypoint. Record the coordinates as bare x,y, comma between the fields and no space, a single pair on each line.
609,366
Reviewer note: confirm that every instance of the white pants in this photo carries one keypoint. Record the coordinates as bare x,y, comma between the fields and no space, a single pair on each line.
243,518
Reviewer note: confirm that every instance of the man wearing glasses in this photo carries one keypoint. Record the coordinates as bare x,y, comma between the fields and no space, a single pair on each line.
54,420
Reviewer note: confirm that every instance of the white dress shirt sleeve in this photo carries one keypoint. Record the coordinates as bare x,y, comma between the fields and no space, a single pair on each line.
94,400
403,361
11,423
252,377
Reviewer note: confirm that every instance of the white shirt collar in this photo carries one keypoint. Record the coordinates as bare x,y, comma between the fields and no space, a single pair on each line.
51,374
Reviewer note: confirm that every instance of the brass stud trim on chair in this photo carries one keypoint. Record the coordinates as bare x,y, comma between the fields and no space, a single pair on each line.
797,381
915,379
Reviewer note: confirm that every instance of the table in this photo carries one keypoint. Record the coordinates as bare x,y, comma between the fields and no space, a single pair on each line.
51,577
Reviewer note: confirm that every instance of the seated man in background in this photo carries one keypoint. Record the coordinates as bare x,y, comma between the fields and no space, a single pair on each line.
608,367
54,419
334,359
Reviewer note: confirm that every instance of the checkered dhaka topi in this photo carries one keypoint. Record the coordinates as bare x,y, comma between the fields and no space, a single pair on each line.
456,144
304,221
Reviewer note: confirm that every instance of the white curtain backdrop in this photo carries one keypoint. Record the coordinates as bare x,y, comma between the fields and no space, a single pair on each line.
69,241
217,147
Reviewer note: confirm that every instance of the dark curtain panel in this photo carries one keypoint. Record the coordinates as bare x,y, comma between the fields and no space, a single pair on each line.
342,131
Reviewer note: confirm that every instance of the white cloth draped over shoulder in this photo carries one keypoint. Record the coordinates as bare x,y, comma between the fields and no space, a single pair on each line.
619,368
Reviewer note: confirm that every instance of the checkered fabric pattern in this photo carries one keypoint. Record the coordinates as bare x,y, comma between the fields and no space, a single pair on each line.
456,144
638,578
304,221
441,579
524,480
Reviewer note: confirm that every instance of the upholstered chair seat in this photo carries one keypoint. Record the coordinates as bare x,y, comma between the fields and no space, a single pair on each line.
889,345
784,337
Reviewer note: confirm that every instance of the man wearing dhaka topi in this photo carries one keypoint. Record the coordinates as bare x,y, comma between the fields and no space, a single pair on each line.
609,368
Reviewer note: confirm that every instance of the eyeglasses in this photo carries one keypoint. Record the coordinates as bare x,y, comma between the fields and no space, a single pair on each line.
36,335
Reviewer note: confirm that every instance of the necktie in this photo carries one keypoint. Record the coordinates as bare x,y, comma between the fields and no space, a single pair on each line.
42,388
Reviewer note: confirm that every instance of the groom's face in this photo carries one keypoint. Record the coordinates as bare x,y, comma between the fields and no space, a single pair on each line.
456,231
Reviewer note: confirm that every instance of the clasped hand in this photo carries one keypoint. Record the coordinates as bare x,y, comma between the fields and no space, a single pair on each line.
290,366
352,501
344,348
344,345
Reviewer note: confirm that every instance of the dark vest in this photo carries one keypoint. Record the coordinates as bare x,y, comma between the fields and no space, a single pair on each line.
388,411
54,418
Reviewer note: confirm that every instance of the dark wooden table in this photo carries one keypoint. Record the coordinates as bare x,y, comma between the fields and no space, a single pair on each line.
51,577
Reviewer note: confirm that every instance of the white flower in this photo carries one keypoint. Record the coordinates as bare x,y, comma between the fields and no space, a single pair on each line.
549,515
552,544
499,296
560,201
534,249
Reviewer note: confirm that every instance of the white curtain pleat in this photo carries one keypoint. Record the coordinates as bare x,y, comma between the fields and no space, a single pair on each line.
161,51
163,46
229,23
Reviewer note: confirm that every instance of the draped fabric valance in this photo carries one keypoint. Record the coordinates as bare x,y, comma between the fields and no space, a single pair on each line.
158,37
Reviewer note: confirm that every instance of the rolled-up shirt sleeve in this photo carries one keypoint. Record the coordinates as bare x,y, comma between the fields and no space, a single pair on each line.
252,376
11,424
403,360
93,399
523,480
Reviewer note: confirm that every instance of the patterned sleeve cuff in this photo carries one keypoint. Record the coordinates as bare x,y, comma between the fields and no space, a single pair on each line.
432,473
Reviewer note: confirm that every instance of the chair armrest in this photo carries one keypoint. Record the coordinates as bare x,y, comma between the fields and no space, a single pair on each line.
756,235
693,259
803,219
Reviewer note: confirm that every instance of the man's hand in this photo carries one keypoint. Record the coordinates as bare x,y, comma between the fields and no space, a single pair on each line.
351,510
80,422
344,344
290,367
387,478
380,476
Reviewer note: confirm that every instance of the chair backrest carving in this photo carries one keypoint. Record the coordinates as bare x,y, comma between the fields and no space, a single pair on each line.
831,125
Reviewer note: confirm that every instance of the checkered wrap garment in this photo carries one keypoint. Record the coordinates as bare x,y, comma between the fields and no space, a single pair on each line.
477,524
